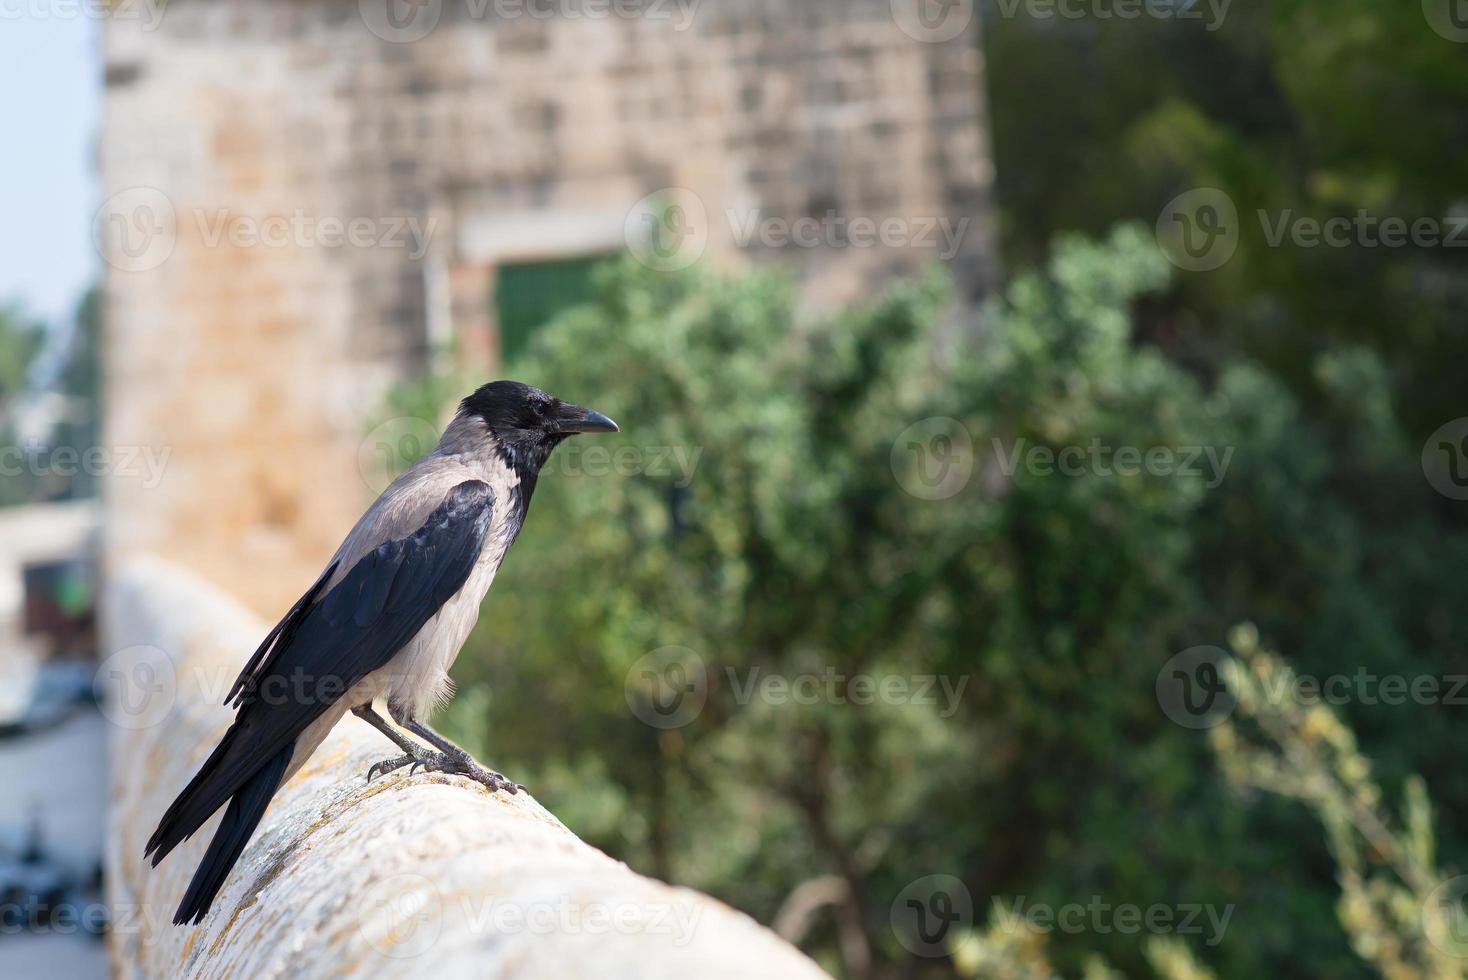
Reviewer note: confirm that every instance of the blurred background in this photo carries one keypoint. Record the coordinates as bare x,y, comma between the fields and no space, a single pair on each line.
1036,544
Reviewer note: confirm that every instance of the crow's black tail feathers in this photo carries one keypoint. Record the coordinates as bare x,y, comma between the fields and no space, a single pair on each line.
239,823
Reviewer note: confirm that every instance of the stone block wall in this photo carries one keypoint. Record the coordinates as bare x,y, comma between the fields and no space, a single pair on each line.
304,200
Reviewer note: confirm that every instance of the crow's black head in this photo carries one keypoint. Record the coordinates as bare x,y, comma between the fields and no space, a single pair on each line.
527,422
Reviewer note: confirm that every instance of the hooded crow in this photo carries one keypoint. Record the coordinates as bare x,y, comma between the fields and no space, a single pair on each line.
384,621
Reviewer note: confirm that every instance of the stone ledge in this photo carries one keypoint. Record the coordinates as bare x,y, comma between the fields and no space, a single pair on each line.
424,875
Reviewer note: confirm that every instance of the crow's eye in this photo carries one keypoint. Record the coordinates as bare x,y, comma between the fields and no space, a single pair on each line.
541,409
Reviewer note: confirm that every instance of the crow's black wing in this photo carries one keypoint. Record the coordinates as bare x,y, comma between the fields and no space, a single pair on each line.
322,648
260,661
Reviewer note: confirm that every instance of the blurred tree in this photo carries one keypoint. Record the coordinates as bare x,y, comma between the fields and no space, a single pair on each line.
21,339
1403,913
79,384
1295,108
681,653
57,374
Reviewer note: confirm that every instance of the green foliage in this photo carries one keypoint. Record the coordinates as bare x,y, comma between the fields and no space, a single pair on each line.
1403,913
764,508
72,402
20,342
1319,109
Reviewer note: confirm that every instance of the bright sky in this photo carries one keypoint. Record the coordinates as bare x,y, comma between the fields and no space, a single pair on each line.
50,75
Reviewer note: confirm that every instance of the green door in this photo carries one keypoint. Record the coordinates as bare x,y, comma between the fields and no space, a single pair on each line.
528,295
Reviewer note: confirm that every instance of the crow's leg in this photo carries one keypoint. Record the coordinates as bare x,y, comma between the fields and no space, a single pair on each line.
449,759
380,723
413,751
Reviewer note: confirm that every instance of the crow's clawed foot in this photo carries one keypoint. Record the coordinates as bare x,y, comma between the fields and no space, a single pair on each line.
455,765
485,777
388,765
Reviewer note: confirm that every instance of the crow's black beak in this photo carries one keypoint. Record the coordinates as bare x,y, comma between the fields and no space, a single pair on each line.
574,418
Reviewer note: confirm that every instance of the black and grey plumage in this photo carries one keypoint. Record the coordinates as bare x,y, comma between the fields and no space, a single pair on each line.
384,621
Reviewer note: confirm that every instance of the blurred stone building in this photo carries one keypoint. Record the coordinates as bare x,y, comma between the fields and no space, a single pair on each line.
306,200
